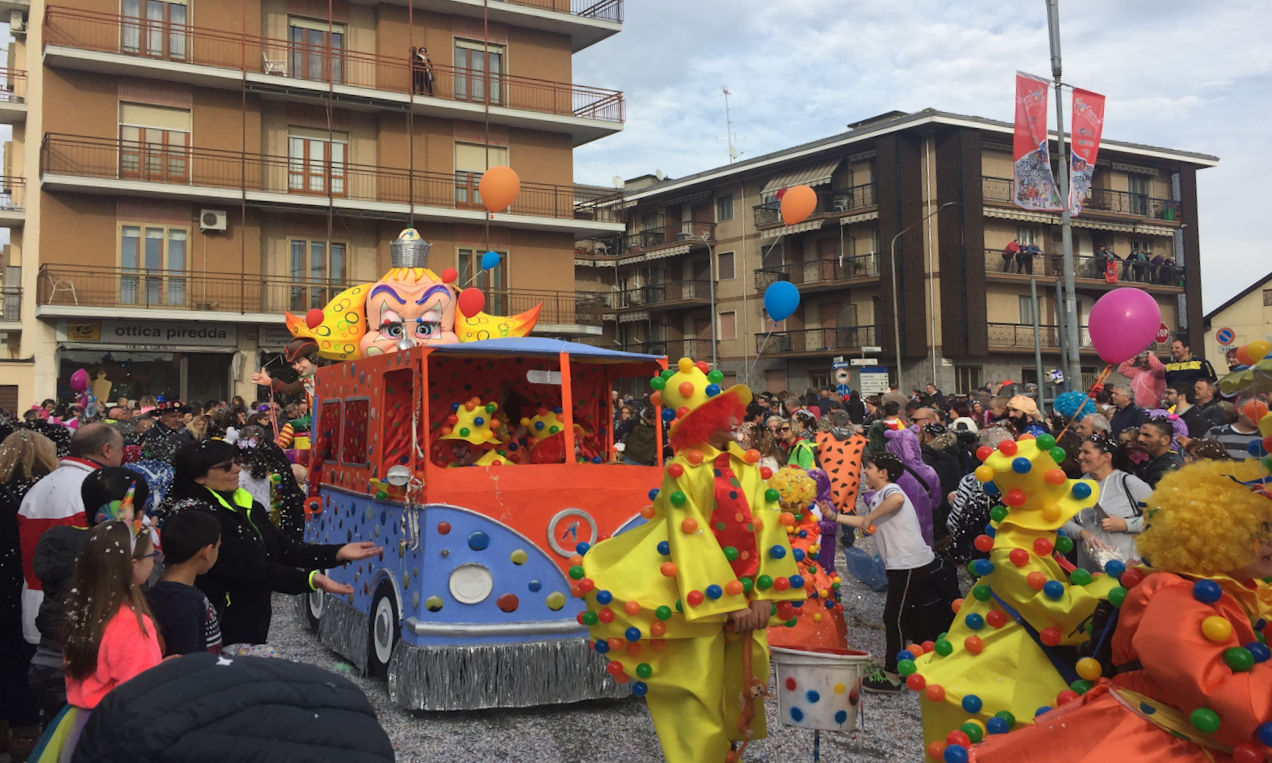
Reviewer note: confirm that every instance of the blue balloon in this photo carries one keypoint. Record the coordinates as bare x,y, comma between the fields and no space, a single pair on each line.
490,260
781,299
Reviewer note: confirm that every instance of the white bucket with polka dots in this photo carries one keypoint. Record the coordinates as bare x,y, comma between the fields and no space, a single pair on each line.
819,688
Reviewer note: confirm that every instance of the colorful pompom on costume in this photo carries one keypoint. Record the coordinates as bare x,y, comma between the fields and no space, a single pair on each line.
998,660
1192,673
658,596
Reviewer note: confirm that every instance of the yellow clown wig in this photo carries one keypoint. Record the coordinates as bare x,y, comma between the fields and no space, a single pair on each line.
1203,521
795,488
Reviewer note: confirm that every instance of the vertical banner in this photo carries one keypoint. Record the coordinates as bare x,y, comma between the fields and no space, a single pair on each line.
1088,124
1035,184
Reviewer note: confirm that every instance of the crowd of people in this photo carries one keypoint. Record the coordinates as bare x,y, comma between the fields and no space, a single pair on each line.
151,530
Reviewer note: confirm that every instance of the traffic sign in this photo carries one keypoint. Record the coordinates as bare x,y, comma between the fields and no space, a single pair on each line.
874,381
1225,335
872,348
1163,334
864,361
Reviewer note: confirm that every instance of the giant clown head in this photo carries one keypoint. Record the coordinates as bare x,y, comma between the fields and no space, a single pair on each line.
410,306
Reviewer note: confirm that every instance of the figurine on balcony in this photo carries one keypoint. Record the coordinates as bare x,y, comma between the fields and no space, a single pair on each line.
411,305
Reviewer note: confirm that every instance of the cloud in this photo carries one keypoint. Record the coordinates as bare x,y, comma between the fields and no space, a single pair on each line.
1191,76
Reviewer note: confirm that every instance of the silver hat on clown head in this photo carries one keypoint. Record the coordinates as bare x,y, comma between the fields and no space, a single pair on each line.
409,250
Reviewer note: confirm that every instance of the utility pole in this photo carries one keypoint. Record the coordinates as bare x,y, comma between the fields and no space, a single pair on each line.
1074,367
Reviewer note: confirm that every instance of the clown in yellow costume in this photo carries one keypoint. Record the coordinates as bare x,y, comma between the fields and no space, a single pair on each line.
714,553
1003,658
472,439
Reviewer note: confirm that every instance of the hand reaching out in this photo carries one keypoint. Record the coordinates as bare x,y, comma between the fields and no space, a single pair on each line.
324,583
262,378
357,551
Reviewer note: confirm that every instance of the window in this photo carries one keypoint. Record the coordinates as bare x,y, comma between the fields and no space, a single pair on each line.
161,254
329,430
155,28
728,326
317,273
154,143
1267,297
1026,310
724,266
315,50
479,68
471,160
724,209
315,163
493,282
1027,234
356,416
967,378
1138,186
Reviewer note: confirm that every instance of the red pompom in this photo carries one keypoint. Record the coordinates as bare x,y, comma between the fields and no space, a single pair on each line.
313,318
471,301
450,275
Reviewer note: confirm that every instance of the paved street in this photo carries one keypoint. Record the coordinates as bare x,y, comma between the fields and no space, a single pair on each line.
613,730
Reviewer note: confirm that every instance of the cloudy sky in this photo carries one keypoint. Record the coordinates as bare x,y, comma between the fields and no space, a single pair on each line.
1177,73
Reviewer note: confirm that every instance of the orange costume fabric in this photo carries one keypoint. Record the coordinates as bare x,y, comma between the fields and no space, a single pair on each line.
819,621
841,460
1172,671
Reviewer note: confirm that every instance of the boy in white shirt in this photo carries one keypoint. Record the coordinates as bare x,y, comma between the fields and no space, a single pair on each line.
906,556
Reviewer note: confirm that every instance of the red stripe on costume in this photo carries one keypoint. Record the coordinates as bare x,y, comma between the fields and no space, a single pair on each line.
29,532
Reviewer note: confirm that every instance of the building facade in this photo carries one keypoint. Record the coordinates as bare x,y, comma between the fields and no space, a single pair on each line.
932,189
183,172
1245,317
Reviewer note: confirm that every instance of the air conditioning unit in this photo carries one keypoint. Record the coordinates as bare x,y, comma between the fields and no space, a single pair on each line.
17,22
211,219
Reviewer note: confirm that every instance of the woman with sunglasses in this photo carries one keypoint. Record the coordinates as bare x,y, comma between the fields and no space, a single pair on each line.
1107,530
256,558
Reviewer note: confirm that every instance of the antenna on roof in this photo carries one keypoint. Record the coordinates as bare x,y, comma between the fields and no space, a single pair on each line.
728,121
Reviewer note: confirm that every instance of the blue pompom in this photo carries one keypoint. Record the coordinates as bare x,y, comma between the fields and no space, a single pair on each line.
905,654
632,634
1021,465
797,581
1260,651
956,753
982,567
713,390
1207,591
1264,733
997,725
972,703
668,414
601,645
714,591
990,488
798,553
582,548
1115,568
653,493
604,597
1081,491
639,688
664,548
777,551
1041,710
1053,589
974,621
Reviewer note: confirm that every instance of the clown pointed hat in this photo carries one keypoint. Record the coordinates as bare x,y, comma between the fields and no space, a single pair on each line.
1037,493
692,398
471,421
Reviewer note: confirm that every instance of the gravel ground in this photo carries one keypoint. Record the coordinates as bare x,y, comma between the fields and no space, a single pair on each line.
615,729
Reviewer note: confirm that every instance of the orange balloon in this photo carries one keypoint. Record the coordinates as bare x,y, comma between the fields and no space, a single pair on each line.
798,203
499,187
1243,355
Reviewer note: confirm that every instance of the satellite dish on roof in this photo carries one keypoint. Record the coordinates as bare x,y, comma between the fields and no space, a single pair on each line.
616,181
660,174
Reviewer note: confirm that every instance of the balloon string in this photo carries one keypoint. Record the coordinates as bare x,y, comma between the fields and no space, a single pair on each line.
1099,382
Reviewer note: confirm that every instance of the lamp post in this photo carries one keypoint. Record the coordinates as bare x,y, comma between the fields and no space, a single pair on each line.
711,285
896,314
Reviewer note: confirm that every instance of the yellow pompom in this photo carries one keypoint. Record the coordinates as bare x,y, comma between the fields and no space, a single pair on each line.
1216,628
1089,668
984,473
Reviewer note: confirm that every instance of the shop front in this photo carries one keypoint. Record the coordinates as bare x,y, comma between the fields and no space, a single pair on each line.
136,358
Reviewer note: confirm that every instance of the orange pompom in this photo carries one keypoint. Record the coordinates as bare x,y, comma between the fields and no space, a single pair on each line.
733,587
689,525
632,608
668,569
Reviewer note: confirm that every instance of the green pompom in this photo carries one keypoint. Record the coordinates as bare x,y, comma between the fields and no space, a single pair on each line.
1117,596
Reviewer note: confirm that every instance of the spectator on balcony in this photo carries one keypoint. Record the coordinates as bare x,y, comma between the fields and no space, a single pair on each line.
1148,378
1025,258
1009,253
421,71
1185,368
1127,415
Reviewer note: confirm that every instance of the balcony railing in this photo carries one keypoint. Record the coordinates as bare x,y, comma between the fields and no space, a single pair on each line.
121,288
672,348
10,304
829,202
602,10
127,35
13,85
590,307
1089,267
12,193
819,272
1021,336
1000,190
234,171
669,293
825,340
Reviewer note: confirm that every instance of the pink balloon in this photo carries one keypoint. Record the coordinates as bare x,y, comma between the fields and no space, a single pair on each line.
1123,323
79,380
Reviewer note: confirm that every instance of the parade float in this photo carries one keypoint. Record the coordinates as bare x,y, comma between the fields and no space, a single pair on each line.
479,457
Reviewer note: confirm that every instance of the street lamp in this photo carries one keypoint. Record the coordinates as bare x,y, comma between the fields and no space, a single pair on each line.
711,278
896,314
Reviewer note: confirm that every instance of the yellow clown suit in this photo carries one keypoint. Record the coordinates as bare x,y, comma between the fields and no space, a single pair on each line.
659,596
1004,658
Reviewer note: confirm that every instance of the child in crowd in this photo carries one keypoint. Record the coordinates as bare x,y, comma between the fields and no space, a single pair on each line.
906,556
109,635
187,620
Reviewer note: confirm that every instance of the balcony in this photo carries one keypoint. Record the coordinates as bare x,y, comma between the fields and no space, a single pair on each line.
1086,269
112,167
1100,201
12,201
275,68
830,203
812,342
669,295
10,309
648,244
816,274
587,22
672,348
13,88
591,307
69,290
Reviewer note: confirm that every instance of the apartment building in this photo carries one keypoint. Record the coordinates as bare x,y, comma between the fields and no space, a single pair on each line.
183,171
934,190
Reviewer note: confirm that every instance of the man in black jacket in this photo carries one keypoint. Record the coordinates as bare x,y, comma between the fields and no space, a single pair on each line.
1185,368
1154,436
1128,415
1176,400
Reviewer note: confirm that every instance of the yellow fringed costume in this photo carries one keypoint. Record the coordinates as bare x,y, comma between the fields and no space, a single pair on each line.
658,596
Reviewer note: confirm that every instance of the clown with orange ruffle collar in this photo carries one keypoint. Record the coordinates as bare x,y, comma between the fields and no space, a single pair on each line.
675,603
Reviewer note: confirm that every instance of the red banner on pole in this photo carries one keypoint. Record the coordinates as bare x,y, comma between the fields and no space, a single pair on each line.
1088,124
1034,181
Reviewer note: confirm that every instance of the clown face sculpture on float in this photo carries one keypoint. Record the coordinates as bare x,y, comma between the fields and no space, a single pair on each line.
410,306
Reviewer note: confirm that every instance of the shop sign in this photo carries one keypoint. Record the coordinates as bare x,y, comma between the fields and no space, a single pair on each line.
274,338
153,333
